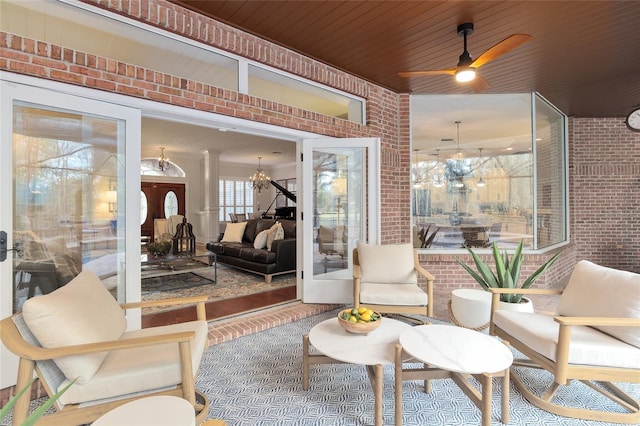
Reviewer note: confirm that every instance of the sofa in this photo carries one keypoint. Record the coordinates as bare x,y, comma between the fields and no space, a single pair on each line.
242,246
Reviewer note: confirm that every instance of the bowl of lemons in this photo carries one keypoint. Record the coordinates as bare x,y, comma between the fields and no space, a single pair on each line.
359,321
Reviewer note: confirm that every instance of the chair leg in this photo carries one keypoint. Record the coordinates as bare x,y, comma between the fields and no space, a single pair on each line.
25,374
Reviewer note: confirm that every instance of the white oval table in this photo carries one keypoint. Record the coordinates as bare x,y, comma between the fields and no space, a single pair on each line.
457,353
337,345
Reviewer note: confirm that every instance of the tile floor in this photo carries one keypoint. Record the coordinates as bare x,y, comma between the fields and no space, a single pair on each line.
240,325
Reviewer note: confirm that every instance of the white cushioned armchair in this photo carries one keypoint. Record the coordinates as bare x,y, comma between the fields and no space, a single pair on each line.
594,337
79,332
385,279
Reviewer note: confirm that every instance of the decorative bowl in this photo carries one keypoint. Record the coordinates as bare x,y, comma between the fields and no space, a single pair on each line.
358,328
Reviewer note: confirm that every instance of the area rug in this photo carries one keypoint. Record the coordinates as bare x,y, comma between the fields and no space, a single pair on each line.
230,283
257,380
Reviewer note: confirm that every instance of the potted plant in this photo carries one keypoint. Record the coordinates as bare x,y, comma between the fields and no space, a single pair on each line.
507,271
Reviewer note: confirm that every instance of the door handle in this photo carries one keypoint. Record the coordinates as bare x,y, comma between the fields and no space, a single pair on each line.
3,246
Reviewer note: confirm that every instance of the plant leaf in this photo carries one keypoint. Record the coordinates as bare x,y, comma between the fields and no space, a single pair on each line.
9,405
35,416
533,277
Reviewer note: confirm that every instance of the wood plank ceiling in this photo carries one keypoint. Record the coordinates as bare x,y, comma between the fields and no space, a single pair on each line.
584,56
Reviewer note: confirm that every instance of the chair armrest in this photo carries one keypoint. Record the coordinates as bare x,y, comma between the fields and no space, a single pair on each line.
199,301
13,340
598,321
357,271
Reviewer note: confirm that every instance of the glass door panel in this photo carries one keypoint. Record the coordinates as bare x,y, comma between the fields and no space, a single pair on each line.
63,164
343,202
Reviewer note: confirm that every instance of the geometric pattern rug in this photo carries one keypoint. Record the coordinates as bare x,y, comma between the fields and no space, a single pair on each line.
197,282
257,380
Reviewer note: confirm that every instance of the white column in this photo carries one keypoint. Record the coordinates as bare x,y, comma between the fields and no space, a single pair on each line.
210,188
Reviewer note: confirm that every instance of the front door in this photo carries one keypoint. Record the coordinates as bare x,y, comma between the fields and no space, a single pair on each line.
162,200
64,161
341,207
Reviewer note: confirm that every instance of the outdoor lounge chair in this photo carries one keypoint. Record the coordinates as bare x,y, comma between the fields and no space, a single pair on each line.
594,338
78,332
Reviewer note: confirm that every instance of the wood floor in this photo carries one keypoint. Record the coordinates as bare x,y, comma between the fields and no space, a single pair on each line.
222,308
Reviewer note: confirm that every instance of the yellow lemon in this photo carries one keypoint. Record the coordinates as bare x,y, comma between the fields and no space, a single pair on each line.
369,312
365,317
362,310
353,319
362,322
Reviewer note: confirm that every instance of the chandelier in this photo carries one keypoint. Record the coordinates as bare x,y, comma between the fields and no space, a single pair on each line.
259,180
163,162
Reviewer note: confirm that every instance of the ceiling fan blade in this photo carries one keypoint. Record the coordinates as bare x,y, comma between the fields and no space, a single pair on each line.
505,46
450,71
479,84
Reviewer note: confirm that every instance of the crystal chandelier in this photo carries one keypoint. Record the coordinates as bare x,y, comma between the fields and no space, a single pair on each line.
259,180
163,162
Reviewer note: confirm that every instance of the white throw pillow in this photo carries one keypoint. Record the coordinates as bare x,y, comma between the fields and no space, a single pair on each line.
261,240
598,291
390,263
83,311
233,232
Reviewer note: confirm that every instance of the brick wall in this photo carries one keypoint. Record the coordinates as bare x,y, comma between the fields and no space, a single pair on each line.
604,174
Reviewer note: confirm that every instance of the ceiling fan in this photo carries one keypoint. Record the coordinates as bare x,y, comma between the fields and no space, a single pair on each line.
465,71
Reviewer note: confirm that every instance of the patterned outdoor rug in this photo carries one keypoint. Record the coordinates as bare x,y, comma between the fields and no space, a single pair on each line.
230,283
257,380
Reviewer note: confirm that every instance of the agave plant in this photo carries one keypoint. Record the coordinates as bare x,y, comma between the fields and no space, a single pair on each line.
507,273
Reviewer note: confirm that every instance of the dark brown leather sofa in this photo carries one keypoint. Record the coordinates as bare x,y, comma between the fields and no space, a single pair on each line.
281,259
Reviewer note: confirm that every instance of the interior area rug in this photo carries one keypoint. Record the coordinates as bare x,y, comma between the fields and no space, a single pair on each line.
257,380
230,283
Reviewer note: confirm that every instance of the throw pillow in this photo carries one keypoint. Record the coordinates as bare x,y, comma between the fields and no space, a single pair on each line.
275,233
83,311
261,240
233,232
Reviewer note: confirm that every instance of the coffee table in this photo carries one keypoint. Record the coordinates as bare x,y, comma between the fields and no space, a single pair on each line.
459,354
336,345
178,263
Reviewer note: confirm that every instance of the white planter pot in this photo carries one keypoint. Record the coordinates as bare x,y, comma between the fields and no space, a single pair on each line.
525,306
470,308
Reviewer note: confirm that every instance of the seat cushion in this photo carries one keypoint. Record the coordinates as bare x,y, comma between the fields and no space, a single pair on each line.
597,291
392,263
392,294
588,346
83,311
140,369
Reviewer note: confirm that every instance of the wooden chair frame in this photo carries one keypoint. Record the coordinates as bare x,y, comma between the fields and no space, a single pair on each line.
72,414
395,309
564,372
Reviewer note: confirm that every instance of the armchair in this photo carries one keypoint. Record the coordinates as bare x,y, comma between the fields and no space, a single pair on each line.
384,279
332,241
595,337
78,332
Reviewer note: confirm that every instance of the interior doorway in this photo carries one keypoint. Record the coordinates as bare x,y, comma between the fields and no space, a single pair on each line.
160,200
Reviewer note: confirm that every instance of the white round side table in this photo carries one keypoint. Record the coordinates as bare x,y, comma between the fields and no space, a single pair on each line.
160,410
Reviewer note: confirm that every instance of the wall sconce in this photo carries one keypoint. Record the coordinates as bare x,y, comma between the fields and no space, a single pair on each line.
112,199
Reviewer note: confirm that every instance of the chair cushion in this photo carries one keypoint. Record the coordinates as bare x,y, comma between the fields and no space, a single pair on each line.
233,232
597,291
83,311
392,294
140,369
588,346
386,264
